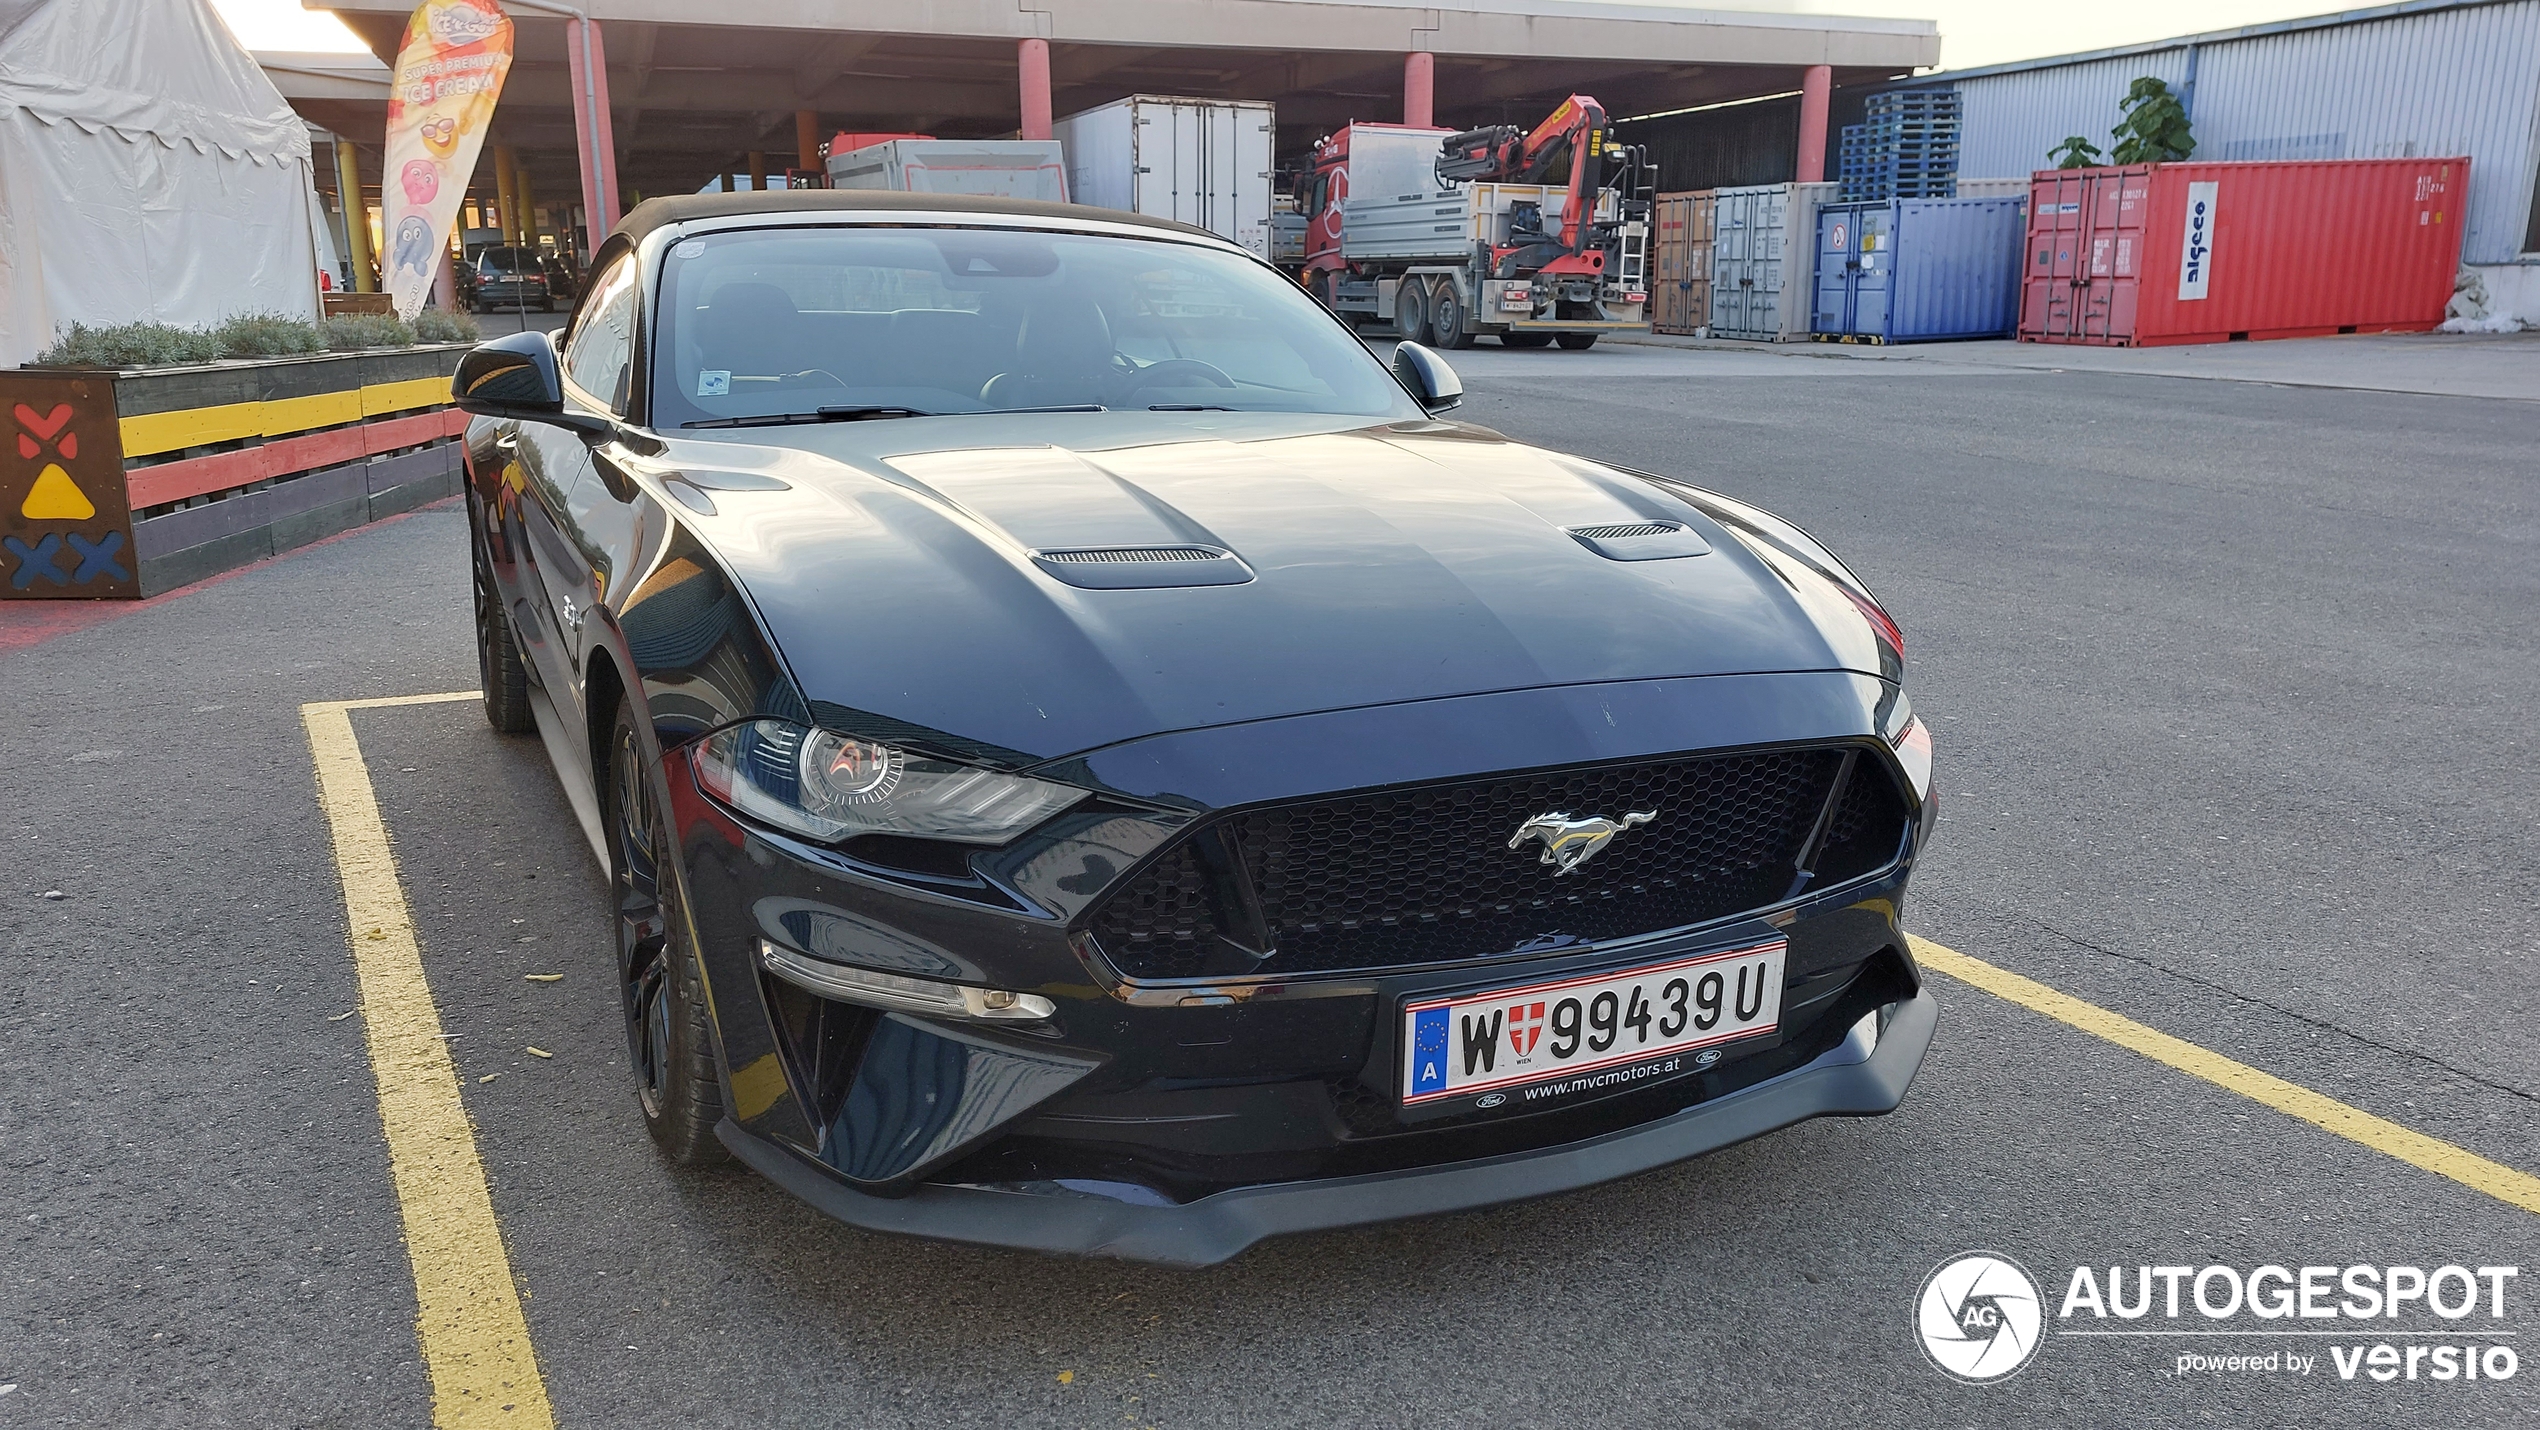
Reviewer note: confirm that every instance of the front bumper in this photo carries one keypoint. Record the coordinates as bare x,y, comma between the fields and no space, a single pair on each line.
1864,1075
1182,1118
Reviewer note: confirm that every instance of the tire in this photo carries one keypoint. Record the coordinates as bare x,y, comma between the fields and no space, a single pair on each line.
1525,340
660,987
1575,342
1318,286
1411,311
1447,318
498,665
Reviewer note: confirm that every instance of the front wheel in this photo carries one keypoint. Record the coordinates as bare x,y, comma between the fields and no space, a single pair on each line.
1411,311
1575,342
661,988
498,666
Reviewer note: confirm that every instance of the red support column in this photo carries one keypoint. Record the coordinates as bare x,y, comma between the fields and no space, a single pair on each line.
1816,92
1419,89
1033,58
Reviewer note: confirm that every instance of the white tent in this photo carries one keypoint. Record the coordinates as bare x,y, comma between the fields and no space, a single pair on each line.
148,171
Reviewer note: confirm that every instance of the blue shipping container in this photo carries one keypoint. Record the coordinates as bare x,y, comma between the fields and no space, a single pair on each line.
1920,270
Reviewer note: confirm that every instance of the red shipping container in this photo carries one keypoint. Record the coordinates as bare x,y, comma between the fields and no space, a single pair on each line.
2205,253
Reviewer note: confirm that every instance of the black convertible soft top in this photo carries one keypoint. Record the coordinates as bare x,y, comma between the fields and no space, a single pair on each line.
653,214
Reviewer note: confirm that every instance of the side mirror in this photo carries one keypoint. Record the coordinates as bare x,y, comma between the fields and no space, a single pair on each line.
1428,377
516,378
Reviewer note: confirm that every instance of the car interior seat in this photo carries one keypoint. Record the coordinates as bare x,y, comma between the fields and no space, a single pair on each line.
1062,354
750,328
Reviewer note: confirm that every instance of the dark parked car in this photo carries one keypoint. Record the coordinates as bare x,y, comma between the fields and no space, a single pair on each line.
509,277
561,282
1091,760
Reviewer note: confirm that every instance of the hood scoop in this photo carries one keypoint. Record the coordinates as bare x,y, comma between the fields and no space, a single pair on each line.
1125,568
1640,540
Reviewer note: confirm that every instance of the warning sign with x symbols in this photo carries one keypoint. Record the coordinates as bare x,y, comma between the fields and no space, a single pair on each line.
65,530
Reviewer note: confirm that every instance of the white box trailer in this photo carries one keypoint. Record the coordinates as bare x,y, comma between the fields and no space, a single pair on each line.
996,168
1204,162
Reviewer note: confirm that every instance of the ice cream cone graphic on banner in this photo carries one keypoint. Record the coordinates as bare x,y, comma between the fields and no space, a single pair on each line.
449,73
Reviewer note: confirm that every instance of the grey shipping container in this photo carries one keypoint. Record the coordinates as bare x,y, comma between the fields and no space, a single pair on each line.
1919,270
1763,260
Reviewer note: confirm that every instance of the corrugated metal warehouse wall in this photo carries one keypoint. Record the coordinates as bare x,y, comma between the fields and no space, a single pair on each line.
2009,123
1714,148
2420,80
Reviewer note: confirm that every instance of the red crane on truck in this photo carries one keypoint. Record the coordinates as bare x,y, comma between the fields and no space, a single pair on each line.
1505,153
1535,235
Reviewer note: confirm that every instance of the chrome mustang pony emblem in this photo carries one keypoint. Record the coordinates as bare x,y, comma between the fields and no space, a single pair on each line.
1569,843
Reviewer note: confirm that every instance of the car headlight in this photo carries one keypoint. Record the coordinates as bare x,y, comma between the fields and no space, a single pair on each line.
830,787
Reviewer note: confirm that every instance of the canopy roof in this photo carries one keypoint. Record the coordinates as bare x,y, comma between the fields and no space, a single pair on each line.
165,69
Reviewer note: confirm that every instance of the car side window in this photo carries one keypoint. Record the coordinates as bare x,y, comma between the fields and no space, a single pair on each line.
599,359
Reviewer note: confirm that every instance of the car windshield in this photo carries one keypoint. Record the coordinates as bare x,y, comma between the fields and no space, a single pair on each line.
763,322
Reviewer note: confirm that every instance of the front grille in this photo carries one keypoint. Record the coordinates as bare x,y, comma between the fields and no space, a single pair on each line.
1425,874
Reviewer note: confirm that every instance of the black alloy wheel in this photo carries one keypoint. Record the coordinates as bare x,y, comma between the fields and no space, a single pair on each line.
1411,310
502,676
662,990
1447,317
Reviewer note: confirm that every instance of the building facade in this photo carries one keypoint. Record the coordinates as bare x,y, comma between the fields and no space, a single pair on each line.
2424,79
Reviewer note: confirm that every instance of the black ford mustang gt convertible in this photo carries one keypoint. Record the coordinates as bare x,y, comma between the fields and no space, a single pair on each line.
1089,760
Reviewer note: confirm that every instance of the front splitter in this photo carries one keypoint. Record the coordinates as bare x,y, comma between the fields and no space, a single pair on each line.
1864,1075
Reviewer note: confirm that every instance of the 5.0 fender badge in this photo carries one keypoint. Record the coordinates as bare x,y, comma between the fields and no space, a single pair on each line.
1569,843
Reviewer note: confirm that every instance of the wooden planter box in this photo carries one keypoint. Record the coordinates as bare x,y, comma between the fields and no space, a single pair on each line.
122,484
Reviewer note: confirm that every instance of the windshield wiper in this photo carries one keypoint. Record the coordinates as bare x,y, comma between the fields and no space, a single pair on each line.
1188,407
1060,407
824,414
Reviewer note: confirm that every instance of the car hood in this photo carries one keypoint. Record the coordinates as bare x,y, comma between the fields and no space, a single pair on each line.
896,568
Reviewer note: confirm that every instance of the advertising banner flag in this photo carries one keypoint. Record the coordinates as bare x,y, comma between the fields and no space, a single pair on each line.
440,101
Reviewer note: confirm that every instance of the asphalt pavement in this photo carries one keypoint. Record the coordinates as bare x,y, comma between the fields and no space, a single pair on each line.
2230,682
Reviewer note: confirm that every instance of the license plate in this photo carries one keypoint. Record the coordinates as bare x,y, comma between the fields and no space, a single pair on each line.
1547,1032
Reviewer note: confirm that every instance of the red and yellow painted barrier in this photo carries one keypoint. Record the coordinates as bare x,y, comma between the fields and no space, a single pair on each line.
96,463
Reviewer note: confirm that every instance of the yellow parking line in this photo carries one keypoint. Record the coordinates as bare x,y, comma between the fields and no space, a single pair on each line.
468,1319
2433,1154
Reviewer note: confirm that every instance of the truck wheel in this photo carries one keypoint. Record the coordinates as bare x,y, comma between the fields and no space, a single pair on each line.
1318,286
1446,316
1411,311
1525,340
1575,342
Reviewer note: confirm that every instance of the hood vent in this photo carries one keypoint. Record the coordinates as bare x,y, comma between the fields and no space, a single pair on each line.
1105,554
1117,568
1640,540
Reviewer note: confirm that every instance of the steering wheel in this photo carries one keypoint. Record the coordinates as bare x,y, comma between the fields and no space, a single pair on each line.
1192,371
